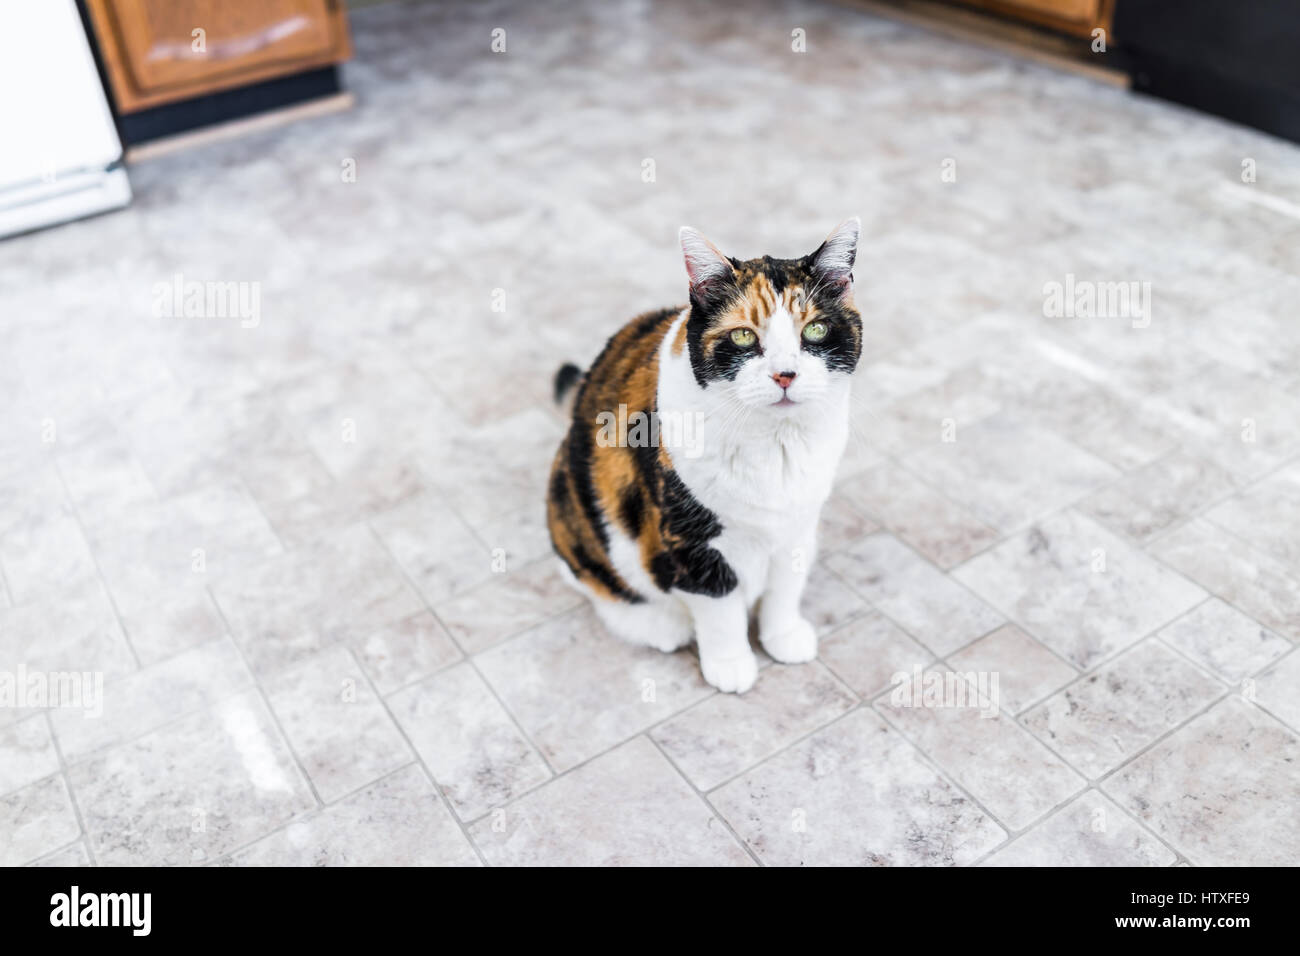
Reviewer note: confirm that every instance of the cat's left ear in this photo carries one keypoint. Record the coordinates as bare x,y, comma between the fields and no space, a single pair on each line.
833,261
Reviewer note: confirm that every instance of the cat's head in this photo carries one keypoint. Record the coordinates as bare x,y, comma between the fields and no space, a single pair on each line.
774,334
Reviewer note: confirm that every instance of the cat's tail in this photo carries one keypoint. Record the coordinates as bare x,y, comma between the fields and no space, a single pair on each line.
568,376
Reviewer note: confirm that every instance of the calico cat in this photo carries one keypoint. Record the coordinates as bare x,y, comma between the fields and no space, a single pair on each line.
703,443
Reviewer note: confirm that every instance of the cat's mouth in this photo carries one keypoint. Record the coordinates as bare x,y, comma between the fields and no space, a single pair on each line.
784,401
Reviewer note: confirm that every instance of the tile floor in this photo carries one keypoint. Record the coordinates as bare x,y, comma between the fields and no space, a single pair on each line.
307,558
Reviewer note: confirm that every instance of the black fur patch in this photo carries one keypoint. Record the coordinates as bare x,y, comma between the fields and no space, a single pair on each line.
580,443
604,575
687,527
631,509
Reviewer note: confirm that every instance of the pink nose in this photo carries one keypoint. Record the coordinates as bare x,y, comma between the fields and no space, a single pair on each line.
783,378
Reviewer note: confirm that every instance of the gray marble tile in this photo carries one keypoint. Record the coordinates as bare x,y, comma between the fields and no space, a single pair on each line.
1115,429
516,537
337,726
1078,588
1221,790
149,698
626,807
175,624
285,610
867,652
399,654
1153,499
1236,419
940,530
729,733
1275,690
854,794
26,753
183,544
576,691
1267,515
506,604
36,820
1223,640
991,757
75,634
191,791
477,479
841,524
961,396
73,855
1244,577
940,614
472,747
43,555
1007,473
103,480
1027,671
1089,831
361,495
828,602
397,821
1107,716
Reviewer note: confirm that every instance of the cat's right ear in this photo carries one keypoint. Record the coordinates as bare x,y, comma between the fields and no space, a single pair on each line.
709,270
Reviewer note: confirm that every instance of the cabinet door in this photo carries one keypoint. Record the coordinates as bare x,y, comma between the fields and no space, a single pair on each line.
160,51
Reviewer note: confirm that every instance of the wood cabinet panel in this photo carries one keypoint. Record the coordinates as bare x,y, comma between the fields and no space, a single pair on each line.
1079,17
161,51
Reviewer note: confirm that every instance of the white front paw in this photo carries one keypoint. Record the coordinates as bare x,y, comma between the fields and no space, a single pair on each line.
791,642
732,675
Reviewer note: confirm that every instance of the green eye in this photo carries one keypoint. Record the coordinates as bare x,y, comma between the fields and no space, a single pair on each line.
815,331
743,337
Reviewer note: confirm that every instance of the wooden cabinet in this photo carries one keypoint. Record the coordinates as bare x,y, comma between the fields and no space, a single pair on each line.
1079,17
162,51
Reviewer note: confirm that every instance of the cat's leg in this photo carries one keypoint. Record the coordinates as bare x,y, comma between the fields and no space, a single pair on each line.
782,630
722,633
663,624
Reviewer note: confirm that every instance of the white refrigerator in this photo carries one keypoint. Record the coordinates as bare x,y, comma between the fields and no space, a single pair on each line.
60,157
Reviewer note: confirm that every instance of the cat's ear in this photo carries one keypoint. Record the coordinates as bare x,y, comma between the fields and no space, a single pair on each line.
833,260
709,270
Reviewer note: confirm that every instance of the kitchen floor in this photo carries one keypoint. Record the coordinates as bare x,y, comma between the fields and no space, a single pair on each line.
299,537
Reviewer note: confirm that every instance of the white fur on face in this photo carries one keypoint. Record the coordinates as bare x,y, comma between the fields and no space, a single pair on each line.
754,385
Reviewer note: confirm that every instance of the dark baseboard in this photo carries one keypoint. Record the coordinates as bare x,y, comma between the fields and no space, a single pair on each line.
173,118
1235,59
1240,100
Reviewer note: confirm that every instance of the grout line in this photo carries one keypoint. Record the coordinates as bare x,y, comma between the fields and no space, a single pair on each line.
102,749
1241,485
266,701
419,760
72,794
859,705
943,773
1090,784
99,572
1006,619
6,593
468,659
744,844
302,816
